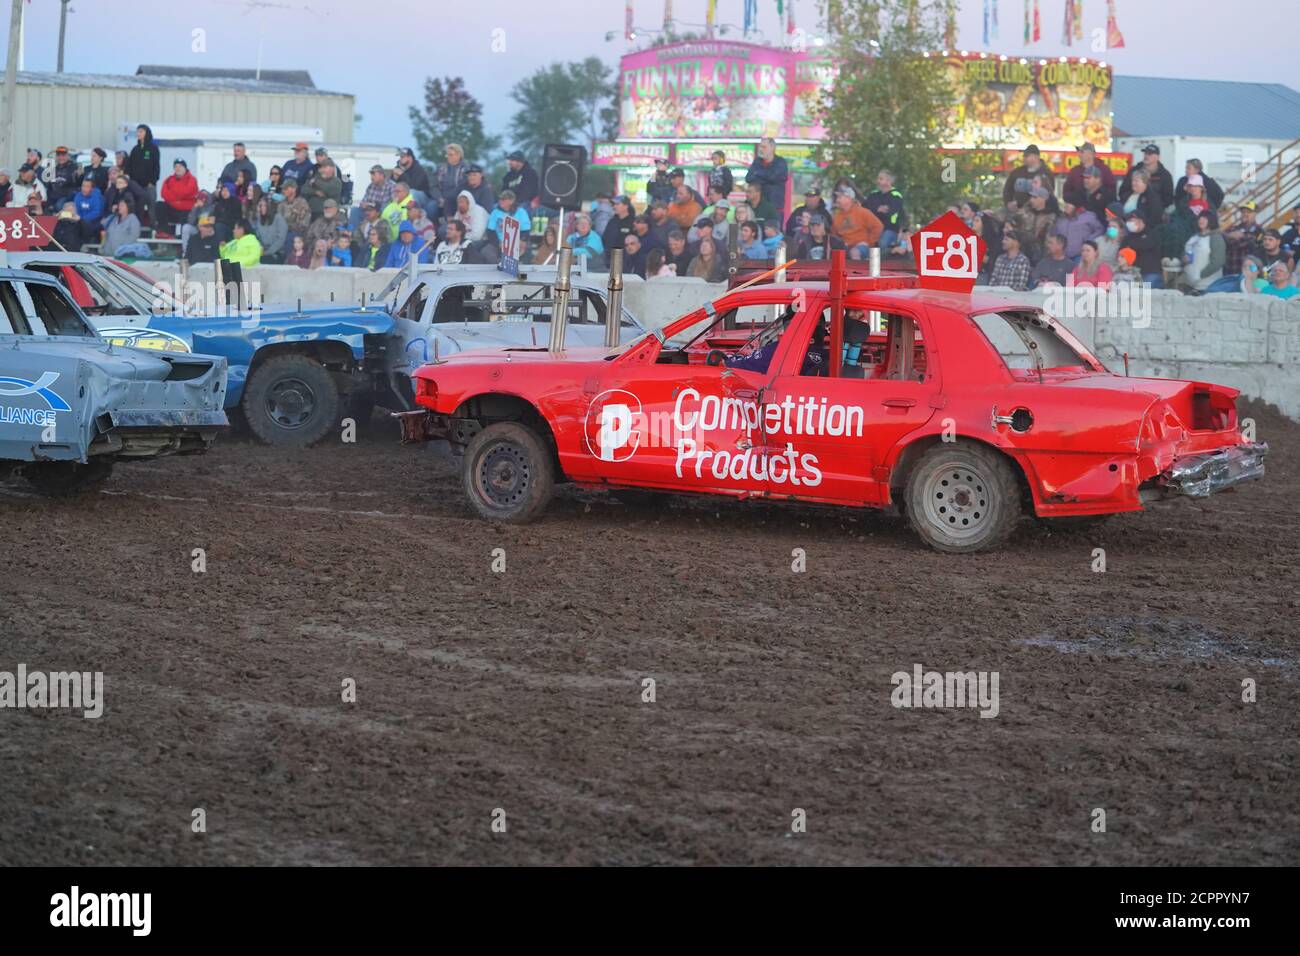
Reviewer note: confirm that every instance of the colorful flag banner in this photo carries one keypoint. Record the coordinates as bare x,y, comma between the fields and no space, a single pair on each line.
628,32
1038,22
668,14
710,14
1114,39
751,12
789,23
950,25
995,19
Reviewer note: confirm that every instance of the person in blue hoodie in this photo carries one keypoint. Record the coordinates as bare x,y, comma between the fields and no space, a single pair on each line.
341,252
406,246
89,203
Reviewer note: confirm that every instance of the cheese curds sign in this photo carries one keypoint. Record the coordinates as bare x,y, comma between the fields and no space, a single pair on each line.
1012,102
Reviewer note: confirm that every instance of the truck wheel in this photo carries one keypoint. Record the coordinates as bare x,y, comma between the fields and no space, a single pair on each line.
61,479
963,498
508,473
291,401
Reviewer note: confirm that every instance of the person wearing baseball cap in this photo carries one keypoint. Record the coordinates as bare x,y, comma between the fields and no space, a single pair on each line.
408,170
61,180
678,178
379,193
620,222
479,187
1073,189
660,187
1243,238
203,246
815,206
1032,171
521,179
300,168
1161,181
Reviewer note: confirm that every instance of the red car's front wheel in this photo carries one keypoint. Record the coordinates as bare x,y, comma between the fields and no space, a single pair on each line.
508,473
962,497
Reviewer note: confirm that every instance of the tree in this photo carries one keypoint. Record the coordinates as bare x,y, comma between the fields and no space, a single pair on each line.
565,103
450,115
890,106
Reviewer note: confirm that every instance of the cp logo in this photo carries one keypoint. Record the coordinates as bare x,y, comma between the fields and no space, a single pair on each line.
610,428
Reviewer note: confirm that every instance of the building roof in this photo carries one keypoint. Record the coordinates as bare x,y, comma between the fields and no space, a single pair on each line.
286,77
1157,106
195,82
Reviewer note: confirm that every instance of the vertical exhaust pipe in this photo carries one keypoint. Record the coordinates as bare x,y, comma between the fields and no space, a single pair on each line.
778,309
614,301
560,311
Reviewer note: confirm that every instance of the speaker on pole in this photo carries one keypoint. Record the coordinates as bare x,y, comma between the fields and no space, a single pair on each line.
562,171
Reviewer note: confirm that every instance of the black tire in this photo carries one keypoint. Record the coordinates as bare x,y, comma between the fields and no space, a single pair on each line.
1075,523
508,473
962,498
62,479
291,401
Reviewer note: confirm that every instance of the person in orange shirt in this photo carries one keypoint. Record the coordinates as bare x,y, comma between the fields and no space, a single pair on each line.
684,210
858,227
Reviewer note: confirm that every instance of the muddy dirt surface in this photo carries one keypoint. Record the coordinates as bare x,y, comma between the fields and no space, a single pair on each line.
523,690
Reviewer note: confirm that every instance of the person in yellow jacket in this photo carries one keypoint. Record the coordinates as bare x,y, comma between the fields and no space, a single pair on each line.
399,210
244,248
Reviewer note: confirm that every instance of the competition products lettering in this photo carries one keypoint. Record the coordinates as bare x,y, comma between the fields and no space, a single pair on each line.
617,426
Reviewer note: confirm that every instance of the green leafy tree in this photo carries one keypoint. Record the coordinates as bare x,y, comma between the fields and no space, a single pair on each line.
891,107
450,115
565,103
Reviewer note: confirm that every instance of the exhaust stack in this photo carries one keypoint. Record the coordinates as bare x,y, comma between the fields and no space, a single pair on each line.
614,301
560,311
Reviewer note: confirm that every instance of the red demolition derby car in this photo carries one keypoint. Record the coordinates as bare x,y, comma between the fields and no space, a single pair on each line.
961,411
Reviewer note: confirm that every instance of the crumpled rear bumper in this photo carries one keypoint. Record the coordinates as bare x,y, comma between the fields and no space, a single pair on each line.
1207,473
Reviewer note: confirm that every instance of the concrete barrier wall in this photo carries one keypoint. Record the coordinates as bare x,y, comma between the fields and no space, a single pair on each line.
1250,342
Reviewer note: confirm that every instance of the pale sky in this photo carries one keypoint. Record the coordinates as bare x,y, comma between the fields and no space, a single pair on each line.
382,52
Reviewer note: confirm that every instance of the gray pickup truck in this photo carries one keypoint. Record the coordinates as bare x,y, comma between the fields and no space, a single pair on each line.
72,404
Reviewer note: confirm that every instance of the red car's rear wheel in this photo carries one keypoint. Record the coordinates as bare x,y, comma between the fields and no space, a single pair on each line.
962,498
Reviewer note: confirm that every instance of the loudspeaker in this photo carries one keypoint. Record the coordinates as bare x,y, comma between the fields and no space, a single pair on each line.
562,170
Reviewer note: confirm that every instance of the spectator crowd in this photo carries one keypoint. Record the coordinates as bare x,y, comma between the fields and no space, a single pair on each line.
1092,228
1142,227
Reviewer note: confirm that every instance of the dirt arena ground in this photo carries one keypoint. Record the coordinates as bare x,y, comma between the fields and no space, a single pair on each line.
522,690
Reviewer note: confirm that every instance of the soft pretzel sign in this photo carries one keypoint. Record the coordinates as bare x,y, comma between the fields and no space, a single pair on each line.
20,232
948,255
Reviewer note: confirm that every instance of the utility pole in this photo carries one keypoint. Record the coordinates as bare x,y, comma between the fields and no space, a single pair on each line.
63,29
11,82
